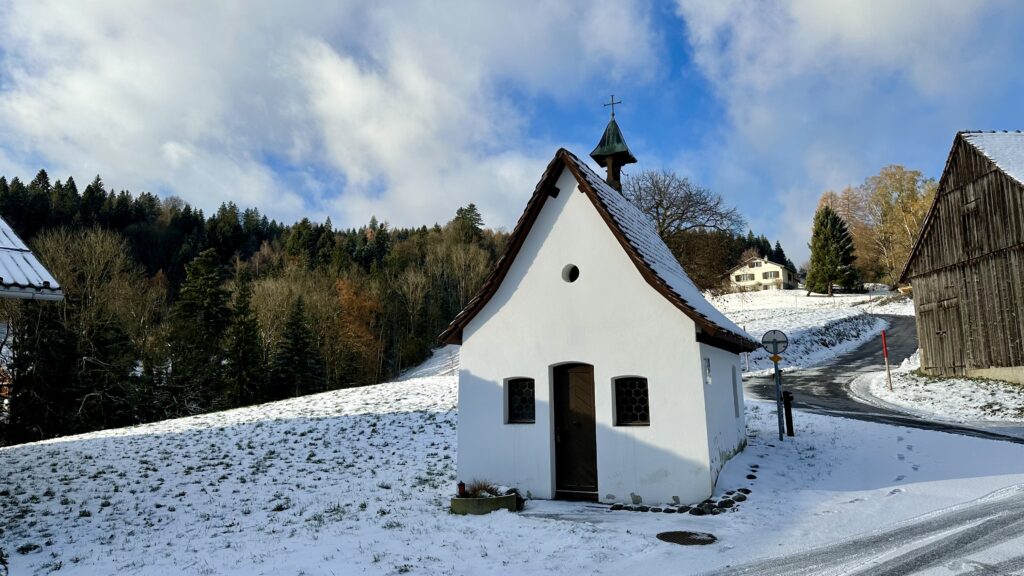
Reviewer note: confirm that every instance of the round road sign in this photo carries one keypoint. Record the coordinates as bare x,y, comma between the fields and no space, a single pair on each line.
775,341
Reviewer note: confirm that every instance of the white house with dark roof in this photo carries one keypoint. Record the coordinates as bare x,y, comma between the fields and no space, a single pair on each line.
762,274
591,366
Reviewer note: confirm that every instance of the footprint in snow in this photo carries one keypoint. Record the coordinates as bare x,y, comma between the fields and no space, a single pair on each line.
899,478
915,467
910,447
895,491
901,457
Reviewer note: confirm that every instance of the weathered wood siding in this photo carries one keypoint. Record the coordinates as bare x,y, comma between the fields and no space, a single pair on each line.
968,270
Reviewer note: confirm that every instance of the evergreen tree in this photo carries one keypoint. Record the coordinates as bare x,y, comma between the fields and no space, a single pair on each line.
245,368
779,255
63,204
200,317
93,198
831,254
468,223
225,231
42,369
301,242
14,206
297,367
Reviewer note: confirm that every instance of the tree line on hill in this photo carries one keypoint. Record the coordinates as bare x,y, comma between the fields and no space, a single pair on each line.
168,312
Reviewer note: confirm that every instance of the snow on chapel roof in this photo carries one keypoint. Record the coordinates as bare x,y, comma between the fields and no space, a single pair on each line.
638,237
21,273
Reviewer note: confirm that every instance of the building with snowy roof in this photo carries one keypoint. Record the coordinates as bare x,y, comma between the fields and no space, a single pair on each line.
591,367
21,274
967,264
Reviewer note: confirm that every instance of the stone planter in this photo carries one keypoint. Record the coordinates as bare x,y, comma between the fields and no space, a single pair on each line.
483,505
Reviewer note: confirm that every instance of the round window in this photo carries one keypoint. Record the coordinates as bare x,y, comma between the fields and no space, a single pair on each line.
570,273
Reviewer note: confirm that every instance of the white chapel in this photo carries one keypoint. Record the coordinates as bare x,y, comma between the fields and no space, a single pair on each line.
591,366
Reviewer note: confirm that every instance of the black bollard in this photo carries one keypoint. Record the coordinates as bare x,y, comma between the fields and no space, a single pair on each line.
787,402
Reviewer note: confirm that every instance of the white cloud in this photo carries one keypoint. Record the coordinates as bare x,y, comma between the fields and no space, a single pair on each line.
407,104
820,94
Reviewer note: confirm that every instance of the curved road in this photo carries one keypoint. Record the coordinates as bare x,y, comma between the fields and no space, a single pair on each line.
826,389
957,539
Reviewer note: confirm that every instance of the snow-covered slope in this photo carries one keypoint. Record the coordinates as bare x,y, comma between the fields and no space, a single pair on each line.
819,327
357,481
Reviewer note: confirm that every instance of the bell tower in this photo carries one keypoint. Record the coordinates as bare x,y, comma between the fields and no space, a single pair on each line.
611,152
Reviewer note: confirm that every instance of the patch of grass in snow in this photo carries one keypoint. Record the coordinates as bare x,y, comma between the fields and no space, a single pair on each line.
28,548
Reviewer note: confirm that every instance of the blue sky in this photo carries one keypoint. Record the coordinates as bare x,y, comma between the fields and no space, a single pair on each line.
407,110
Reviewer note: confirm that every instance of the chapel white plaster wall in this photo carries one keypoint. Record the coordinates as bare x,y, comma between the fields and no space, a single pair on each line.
609,318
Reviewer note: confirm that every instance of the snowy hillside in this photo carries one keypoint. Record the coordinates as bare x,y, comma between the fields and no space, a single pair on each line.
819,327
356,482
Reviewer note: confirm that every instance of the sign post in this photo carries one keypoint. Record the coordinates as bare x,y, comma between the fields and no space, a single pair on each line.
885,354
775,342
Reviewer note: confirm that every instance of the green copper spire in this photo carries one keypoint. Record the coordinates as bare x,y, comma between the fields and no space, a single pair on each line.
612,144
611,152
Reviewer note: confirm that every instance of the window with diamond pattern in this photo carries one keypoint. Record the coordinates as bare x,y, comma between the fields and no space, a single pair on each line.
632,406
520,401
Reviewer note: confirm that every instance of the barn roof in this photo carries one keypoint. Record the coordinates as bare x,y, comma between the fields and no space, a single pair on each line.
1006,151
637,236
21,273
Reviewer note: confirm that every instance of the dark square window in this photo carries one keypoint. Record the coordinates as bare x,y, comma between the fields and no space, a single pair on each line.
520,401
632,407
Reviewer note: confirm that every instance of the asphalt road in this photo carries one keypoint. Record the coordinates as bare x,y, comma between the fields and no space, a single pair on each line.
826,389
958,539
945,540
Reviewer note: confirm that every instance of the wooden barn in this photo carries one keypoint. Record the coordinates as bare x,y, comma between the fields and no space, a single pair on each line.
967,266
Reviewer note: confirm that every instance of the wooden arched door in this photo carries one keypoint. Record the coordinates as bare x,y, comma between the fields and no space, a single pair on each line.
575,432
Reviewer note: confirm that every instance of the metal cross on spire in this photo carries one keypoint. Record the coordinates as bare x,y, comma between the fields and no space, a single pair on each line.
612,103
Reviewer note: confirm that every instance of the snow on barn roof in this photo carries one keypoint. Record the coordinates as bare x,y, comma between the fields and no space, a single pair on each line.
21,273
1005,149
637,235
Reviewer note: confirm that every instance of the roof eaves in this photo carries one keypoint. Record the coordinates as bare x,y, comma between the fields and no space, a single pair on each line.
565,159
647,270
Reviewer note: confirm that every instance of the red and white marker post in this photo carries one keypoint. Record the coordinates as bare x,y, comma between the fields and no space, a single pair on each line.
885,354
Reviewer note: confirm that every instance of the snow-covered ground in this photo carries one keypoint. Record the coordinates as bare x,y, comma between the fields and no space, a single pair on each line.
966,400
357,481
819,327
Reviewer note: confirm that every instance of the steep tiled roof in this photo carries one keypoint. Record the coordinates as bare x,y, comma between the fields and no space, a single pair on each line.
638,237
21,273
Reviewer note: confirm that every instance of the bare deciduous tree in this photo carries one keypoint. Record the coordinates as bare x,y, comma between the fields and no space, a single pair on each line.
676,204
412,284
884,216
